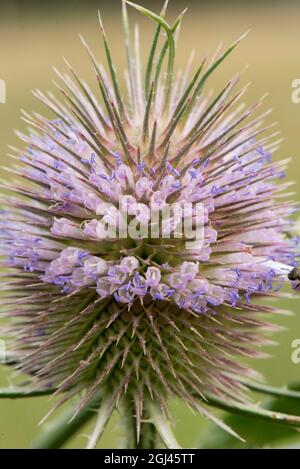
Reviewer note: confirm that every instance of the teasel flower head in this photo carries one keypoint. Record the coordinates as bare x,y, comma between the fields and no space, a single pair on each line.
135,321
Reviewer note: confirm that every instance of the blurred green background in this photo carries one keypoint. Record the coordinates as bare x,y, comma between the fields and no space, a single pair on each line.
34,37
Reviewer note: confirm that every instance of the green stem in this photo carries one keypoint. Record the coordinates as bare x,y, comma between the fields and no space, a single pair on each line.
271,390
60,430
18,392
148,436
148,433
129,425
255,412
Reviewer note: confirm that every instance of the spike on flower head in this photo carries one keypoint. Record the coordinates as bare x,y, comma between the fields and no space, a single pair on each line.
142,318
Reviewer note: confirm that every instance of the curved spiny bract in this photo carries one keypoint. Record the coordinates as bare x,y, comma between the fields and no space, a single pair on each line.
143,319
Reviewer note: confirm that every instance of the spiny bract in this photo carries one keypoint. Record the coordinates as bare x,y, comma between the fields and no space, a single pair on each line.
144,319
